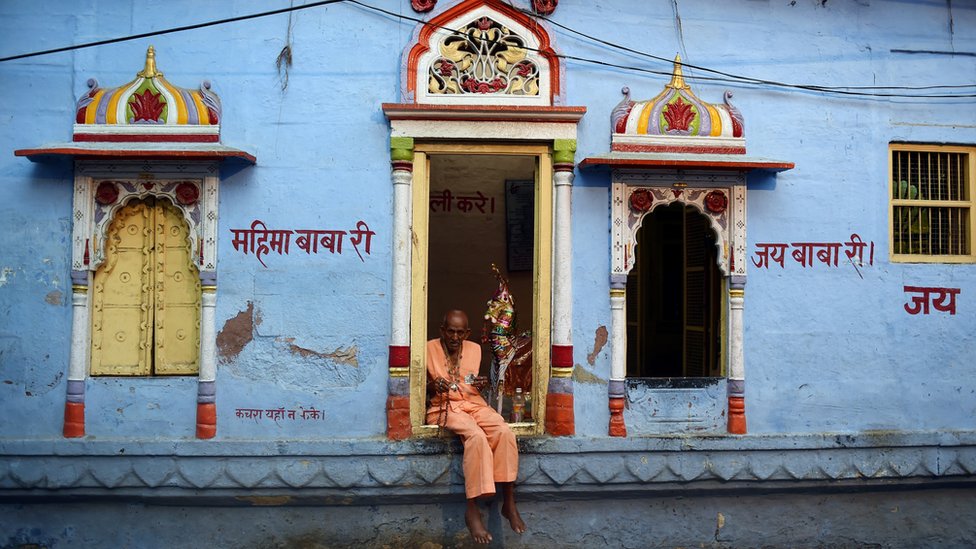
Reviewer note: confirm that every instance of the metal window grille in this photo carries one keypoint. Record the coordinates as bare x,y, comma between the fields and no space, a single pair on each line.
931,203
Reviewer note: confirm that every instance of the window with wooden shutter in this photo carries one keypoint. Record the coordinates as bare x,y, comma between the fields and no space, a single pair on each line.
146,295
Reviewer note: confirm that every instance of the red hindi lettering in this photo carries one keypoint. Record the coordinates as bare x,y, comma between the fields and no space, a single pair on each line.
356,237
919,303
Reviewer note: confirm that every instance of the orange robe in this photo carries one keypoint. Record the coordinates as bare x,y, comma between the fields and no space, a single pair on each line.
490,452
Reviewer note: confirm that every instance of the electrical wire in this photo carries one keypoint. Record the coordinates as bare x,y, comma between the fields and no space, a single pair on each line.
731,75
171,30
732,78
725,77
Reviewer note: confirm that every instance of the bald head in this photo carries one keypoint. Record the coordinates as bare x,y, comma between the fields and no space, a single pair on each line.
454,330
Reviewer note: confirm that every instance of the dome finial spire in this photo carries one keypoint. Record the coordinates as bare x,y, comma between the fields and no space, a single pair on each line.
150,70
677,78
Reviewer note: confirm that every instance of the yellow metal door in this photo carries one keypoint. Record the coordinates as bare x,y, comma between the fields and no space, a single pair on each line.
177,299
146,296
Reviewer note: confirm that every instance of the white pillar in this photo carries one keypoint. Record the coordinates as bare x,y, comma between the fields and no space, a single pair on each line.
402,210
737,370
562,290
208,337
617,388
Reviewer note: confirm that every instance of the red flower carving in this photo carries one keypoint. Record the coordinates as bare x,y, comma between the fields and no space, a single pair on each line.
107,193
187,193
524,69
641,200
484,23
473,86
446,68
146,106
678,115
544,7
716,202
421,6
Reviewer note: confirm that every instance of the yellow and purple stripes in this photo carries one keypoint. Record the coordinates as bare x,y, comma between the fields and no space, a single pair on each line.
182,106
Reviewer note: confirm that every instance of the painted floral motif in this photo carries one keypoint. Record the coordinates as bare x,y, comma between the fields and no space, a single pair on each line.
107,193
187,193
641,200
483,57
679,115
421,6
146,106
716,202
544,7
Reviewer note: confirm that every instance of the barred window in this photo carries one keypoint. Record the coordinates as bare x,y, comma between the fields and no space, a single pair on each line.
932,203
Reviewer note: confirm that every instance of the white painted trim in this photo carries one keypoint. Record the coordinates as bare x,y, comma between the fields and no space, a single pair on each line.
146,129
689,141
483,130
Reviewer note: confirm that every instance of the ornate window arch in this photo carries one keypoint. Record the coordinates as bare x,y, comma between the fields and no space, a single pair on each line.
146,138
678,148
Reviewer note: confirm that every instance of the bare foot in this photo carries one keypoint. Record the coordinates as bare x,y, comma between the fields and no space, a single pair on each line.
511,513
472,517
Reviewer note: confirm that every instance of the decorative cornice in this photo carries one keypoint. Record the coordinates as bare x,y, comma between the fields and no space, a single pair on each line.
498,113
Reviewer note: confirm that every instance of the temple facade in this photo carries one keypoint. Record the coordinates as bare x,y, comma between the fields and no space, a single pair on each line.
724,250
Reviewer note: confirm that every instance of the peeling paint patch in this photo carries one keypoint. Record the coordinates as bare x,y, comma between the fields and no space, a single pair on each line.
265,501
339,356
4,273
54,297
598,342
236,334
582,375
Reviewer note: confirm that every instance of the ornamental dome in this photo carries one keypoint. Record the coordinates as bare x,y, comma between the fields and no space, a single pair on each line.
677,121
146,102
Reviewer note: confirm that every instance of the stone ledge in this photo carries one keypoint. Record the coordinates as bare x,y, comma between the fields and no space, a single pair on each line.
547,466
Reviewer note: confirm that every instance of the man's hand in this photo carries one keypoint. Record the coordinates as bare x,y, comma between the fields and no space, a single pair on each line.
441,385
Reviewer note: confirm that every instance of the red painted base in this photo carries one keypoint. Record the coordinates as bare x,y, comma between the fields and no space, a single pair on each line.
737,415
74,419
560,417
617,426
398,418
206,420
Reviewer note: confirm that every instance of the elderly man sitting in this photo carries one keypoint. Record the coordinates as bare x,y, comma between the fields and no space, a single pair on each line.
490,452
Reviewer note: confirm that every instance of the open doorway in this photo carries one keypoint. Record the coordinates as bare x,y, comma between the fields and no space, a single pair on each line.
452,253
674,297
482,213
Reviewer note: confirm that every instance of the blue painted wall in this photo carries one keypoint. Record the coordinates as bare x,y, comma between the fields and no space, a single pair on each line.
827,349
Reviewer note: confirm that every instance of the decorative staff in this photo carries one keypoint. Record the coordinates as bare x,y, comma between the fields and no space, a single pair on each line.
511,365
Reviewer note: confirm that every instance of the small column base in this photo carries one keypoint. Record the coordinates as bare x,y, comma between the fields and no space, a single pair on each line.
74,419
206,420
737,415
398,417
617,426
560,415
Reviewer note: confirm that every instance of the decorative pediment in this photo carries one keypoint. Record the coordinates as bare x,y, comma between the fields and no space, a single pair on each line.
146,104
676,120
483,52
